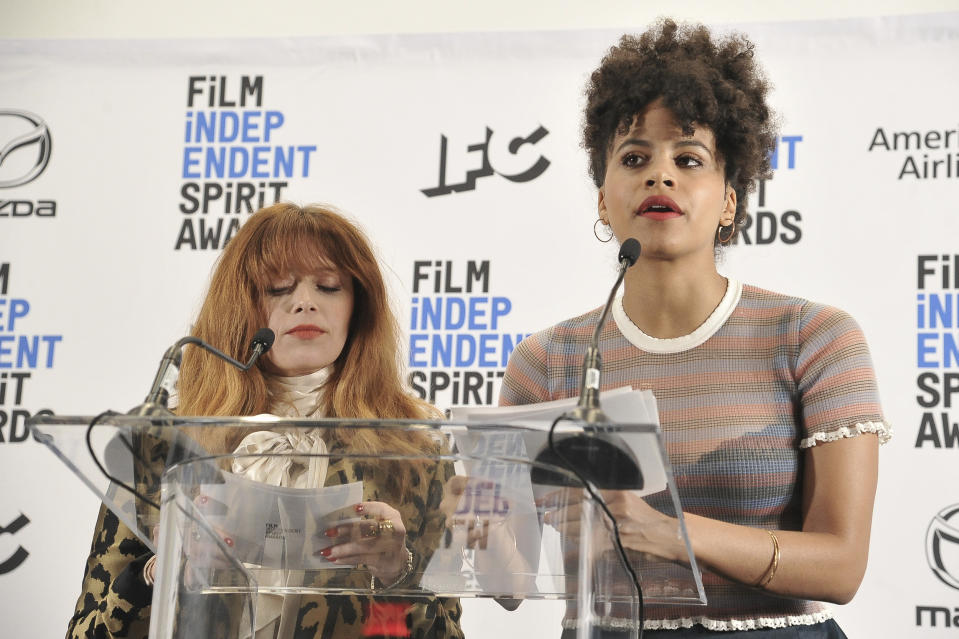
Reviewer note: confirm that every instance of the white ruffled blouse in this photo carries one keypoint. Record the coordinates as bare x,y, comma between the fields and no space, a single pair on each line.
292,397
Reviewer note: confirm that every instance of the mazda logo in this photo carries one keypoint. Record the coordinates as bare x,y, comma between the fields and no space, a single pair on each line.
942,545
25,145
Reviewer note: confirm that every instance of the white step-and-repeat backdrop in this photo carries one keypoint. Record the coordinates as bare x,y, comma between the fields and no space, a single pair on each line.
126,165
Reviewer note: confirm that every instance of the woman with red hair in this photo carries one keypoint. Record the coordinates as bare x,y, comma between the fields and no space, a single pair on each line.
310,275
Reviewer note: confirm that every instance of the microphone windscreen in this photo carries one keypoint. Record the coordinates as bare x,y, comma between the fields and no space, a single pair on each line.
265,337
629,251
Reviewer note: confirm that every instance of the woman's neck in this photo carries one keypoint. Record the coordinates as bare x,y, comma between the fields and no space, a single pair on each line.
308,381
298,396
666,302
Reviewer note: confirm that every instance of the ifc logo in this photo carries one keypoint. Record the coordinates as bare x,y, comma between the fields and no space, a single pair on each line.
942,545
25,146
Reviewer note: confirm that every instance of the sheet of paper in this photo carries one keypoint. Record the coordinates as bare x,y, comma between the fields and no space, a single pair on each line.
623,406
275,527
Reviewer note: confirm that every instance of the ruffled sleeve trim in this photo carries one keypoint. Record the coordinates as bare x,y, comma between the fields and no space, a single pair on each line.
616,623
879,428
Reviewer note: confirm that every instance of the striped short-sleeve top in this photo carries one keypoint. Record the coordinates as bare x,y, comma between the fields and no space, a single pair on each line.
764,377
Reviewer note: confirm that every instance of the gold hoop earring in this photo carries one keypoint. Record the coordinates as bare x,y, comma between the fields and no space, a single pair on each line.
607,231
729,236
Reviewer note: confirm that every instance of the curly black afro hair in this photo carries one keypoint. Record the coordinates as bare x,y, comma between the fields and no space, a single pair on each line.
704,82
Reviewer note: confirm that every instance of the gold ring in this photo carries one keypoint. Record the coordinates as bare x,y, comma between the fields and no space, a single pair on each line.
384,526
370,530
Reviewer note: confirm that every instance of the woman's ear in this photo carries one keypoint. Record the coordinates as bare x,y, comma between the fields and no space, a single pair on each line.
729,206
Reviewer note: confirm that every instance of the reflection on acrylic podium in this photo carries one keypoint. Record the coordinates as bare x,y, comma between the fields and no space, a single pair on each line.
243,558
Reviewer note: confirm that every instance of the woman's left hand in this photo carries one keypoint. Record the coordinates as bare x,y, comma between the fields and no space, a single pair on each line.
378,542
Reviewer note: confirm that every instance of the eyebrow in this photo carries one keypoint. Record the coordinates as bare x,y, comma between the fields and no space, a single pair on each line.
647,143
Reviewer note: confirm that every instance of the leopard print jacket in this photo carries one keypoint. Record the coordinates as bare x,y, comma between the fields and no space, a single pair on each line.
115,601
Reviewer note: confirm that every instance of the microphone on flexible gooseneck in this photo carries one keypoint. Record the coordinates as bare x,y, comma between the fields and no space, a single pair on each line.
156,400
601,457
596,456
262,342
588,409
155,406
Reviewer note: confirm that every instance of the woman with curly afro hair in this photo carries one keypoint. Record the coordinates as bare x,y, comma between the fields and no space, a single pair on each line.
768,403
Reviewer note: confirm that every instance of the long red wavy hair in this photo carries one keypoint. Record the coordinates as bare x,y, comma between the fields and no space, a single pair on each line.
365,380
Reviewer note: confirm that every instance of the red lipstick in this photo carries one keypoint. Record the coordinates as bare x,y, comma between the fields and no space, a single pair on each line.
659,207
306,331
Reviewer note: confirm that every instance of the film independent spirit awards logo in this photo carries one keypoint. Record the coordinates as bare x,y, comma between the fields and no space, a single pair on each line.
942,545
25,146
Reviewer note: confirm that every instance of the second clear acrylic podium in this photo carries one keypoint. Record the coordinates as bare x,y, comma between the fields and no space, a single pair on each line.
244,558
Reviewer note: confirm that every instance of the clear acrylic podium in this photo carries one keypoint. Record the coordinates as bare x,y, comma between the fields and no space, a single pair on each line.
240,558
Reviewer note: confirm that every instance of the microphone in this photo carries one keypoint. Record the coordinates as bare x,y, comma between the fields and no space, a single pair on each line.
261,343
603,458
156,400
587,409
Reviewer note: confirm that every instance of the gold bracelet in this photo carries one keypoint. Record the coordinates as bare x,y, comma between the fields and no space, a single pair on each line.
406,572
773,565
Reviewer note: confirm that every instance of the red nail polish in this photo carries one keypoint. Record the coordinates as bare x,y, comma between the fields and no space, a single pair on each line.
359,508
331,532
228,541
326,552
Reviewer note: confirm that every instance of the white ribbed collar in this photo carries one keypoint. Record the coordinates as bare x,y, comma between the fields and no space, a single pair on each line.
707,329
